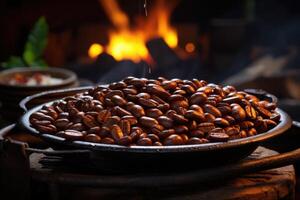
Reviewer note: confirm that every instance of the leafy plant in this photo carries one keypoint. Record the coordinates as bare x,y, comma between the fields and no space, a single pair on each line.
34,48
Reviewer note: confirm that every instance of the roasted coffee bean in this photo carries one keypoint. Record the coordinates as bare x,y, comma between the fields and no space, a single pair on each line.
233,99
169,85
63,115
111,93
231,131
206,127
157,144
158,91
52,113
43,122
228,89
157,128
173,139
166,133
264,112
129,91
221,122
154,138
261,125
230,119
192,124
270,123
212,110
143,95
41,116
125,126
89,121
137,110
73,135
95,130
214,97
181,111
144,142
184,137
118,100
132,97
178,118
195,115
243,134
61,123
121,112
117,85
251,132
209,117
176,97
116,132
177,104
111,121
107,140
197,83
218,135
135,135
270,106
224,109
153,81
180,129
180,92
92,138
238,113
125,140
246,124
103,116
104,131
188,89
250,112
148,121
275,117
137,82
150,103
191,83
153,112
157,99
197,133
46,128
163,107
132,120
195,140
165,121
206,89
197,108
77,127
251,97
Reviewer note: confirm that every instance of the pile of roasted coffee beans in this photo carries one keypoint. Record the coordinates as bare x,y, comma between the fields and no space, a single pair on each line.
144,112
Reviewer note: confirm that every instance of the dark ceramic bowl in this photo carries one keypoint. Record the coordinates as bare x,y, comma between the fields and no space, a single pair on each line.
11,95
183,156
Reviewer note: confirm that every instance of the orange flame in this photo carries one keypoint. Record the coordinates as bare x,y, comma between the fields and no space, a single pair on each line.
130,43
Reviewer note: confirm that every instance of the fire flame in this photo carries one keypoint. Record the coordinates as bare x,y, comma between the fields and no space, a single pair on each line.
126,42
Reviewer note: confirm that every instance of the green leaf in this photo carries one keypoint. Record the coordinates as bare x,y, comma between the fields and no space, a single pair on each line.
36,42
14,61
39,63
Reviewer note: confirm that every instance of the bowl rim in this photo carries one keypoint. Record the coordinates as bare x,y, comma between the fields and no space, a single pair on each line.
71,77
284,124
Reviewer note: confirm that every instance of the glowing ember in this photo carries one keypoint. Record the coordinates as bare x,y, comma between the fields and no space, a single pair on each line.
95,50
126,42
190,47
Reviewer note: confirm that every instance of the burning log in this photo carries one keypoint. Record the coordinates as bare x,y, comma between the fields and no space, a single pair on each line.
161,53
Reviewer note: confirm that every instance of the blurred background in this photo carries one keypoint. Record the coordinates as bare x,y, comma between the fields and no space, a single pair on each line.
246,43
